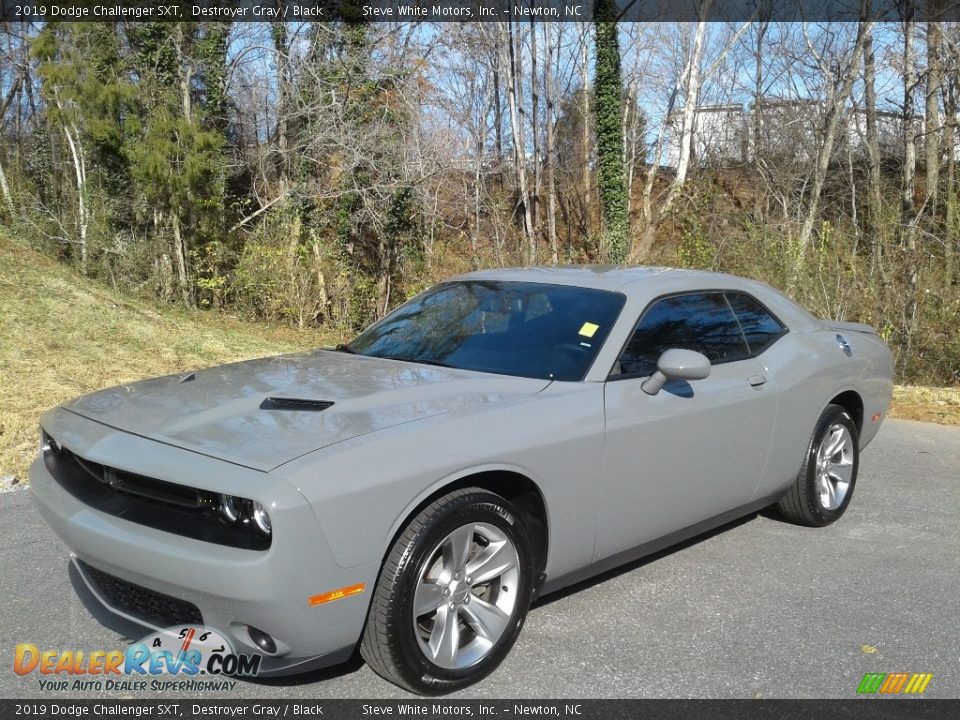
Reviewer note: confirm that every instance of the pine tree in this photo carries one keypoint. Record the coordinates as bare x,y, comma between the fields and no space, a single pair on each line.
177,160
88,94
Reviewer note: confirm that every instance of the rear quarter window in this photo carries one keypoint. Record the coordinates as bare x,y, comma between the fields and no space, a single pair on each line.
760,328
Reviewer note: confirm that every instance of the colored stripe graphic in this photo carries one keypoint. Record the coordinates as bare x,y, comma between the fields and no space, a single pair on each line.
918,683
871,682
894,683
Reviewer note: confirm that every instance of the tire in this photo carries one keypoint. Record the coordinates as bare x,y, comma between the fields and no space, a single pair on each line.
452,595
824,487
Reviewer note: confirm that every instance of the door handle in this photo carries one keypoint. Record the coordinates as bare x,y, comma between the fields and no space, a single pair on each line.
757,380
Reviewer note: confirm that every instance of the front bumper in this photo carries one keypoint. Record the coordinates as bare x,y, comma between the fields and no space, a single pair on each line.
232,588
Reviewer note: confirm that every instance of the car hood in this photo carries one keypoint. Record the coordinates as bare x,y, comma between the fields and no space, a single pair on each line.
224,412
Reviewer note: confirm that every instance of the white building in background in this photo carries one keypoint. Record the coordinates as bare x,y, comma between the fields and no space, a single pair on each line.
726,134
889,132
719,135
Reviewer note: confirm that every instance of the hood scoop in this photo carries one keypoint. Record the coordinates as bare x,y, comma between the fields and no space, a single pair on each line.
294,403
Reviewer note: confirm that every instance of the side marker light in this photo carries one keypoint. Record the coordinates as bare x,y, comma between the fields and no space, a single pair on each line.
336,594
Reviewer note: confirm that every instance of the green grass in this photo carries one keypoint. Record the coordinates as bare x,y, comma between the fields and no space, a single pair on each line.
62,335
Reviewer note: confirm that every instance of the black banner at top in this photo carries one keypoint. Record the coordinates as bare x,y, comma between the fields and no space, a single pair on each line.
472,10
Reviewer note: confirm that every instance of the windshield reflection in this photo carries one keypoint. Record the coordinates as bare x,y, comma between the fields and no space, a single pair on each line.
533,330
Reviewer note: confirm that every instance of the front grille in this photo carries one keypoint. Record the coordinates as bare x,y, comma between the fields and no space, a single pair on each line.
149,488
166,506
152,607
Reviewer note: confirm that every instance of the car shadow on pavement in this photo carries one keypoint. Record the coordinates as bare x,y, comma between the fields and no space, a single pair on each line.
349,667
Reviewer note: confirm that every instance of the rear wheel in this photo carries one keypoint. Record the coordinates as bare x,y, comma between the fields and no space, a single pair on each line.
824,487
452,595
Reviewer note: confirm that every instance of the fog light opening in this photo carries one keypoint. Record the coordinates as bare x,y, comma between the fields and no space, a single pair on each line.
262,640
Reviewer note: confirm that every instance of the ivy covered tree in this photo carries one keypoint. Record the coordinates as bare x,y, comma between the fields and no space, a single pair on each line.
608,109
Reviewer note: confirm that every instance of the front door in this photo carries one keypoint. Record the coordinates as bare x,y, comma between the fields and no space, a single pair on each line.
694,450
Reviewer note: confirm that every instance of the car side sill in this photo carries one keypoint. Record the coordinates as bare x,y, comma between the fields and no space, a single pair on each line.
551,585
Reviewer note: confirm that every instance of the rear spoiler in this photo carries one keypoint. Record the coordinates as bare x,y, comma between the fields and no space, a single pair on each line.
851,327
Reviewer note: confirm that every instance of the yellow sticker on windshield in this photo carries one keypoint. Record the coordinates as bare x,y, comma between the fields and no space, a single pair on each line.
589,329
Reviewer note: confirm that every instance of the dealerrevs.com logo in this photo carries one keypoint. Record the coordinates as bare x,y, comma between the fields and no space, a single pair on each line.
182,652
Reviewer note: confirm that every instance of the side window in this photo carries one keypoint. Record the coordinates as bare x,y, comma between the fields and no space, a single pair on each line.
760,328
698,321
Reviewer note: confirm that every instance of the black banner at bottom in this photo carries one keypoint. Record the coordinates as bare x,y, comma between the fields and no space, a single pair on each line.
868,709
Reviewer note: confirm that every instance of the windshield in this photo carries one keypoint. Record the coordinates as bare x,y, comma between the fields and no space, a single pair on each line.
532,330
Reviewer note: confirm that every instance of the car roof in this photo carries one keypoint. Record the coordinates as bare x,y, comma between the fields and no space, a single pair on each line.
608,277
646,281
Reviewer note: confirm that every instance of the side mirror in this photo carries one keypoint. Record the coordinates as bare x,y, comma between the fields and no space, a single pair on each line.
676,364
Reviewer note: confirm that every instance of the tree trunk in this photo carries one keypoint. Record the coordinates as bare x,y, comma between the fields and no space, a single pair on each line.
908,213
952,226
535,132
585,143
608,114
875,230
641,249
688,119
281,53
79,167
758,92
519,142
180,259
931,128
478,180
497,115
907,209
549,154
186,74
4,187
5,190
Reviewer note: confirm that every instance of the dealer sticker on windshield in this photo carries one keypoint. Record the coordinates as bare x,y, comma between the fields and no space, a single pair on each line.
589,329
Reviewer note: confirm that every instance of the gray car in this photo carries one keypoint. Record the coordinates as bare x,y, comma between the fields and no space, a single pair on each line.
500,436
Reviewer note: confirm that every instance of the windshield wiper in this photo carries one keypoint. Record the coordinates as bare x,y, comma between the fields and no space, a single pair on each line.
345,349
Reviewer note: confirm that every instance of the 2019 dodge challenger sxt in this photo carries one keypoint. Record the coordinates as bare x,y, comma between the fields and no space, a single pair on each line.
501,435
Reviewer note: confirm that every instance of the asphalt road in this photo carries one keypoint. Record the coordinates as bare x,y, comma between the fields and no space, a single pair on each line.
758,609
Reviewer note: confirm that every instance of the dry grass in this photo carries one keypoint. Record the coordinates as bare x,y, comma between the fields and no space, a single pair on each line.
937,405
62,335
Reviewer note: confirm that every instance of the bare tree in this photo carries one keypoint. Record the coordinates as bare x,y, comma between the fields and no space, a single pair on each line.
519,136
875,230
931,129
841,77
549,155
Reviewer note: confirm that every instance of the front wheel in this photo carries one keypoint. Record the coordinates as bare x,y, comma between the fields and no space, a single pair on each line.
452,594
824,486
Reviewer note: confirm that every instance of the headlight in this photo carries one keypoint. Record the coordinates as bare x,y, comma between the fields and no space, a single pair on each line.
229,508
49,444
261,519
233,509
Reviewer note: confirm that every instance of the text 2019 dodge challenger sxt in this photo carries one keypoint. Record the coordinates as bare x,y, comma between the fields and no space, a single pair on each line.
501,435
